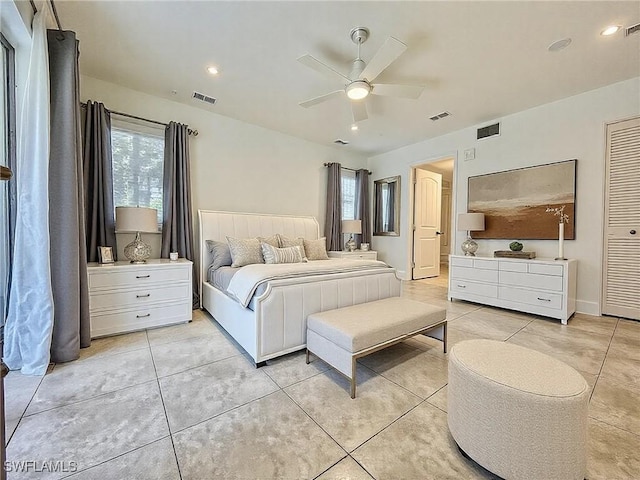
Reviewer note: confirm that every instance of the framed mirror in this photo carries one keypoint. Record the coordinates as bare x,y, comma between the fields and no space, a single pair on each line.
386,206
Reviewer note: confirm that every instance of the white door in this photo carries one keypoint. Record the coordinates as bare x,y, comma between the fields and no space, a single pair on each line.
426,224
620,286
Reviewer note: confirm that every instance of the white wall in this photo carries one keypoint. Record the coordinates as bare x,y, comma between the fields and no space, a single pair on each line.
570,128
236,166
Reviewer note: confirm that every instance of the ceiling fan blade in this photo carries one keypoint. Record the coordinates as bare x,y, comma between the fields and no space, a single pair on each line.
322,98
391,49
322,68
402,91
359,110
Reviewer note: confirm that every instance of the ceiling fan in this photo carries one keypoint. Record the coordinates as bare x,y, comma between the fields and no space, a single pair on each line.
359,84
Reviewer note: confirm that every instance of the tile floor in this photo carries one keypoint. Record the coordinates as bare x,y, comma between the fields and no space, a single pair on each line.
184,402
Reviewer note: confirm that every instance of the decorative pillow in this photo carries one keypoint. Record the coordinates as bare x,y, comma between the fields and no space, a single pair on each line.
220,253
245,251
282,255
291,242
273,240
316,249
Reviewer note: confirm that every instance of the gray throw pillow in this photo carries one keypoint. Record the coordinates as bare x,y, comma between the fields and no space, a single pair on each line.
274,255
290,242
220,254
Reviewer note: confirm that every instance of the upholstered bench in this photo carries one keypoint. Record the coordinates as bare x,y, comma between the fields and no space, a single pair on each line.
519,413
341,336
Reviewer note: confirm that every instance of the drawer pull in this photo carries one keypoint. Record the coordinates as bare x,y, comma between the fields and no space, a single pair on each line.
544,299
143,316
143,296
143,276
462,286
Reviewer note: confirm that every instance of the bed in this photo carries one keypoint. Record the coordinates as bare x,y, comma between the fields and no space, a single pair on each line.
274,322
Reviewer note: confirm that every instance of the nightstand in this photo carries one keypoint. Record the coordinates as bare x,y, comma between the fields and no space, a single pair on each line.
355,255
124,296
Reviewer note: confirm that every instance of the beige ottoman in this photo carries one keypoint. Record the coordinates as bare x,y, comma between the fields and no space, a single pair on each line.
341,336
519,413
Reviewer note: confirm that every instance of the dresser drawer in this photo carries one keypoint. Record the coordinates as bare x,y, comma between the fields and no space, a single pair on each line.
461,261
485,264
531,297
544,269
543,282
138,277
139,296
514,267
466,273
463,287
139,318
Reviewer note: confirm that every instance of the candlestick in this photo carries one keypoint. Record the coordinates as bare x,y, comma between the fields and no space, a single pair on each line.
561,242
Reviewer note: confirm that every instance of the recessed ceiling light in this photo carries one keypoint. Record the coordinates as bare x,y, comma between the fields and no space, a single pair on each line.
610,30
559,45
213,70
354,127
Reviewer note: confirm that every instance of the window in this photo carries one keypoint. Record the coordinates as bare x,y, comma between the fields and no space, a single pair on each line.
7,159
138,164
348,184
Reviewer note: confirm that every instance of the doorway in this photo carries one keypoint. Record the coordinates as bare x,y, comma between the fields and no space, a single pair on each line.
430,217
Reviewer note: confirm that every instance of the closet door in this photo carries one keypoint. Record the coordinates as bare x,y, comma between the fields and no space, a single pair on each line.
621,272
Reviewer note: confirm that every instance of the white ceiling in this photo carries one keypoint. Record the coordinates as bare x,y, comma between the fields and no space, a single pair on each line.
478,60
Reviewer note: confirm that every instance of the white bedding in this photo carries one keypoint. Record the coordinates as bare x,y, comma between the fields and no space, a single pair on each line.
246,280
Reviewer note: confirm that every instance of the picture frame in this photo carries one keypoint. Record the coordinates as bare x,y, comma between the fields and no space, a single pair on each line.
526,203
105,255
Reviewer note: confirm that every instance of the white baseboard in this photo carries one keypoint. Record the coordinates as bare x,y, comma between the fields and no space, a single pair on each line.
402,275
588,308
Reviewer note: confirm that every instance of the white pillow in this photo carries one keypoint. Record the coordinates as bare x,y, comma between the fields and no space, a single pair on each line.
273,255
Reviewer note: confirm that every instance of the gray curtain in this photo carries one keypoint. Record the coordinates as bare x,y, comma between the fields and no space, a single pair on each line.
362,206
333,217
177,225
98,179
71,329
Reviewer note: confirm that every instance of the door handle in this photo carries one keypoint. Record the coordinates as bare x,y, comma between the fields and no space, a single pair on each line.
632,232
439,233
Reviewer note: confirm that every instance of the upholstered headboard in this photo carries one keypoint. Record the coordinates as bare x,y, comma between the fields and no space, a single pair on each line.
215,225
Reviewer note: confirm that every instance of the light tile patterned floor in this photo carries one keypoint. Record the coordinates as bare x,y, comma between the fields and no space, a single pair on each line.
185,402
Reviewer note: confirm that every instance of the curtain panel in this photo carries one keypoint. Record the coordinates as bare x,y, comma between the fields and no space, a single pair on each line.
177,223
97,168
363,208
333,217
71,327
30,317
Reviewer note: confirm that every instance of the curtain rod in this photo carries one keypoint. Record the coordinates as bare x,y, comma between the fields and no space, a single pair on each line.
345,168
189,130
53,9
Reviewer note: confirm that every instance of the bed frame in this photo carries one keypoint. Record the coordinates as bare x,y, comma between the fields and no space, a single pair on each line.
277,325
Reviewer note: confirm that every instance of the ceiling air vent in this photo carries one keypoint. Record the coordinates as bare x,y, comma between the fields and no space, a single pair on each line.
204,98
439,116
489,131
632,29
339,141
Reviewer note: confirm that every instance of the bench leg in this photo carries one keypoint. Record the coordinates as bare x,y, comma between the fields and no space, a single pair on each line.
307,356
353,377
444,340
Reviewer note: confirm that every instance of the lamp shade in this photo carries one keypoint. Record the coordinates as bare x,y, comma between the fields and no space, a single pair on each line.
136,219
473,222
351,226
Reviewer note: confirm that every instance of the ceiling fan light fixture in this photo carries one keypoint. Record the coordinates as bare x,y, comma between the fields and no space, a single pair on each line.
358,89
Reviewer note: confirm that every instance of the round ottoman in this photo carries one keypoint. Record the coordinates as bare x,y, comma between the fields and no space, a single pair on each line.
519,413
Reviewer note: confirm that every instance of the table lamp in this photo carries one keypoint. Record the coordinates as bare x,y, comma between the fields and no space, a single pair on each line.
136,220
351,227
470,222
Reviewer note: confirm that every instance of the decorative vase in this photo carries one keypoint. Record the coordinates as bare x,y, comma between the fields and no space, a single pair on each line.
561,242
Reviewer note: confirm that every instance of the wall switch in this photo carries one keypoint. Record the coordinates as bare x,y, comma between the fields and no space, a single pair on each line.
469,154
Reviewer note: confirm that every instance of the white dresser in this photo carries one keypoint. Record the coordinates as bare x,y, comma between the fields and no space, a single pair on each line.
124,297
543,287
355,255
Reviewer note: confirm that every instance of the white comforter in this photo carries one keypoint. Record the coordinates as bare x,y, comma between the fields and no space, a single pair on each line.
246,280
